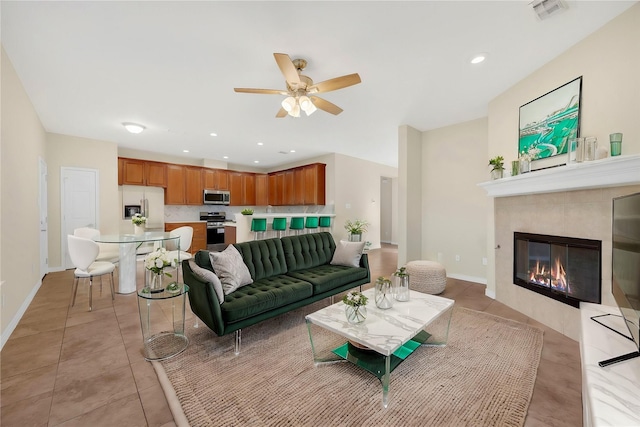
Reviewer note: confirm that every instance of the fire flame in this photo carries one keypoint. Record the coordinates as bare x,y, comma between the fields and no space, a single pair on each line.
556,278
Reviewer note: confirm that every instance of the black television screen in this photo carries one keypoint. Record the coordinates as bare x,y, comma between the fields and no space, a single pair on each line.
626,261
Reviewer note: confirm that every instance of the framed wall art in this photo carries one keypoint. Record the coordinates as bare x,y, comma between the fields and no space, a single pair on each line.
549,123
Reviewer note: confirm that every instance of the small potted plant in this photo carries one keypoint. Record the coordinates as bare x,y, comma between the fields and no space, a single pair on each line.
498,167
383,293
526,158
355,306
247,211
355,229
138,223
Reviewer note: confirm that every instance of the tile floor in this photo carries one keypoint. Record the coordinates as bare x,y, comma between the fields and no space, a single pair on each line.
66,366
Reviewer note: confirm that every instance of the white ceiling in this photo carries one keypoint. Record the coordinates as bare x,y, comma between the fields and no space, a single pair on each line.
172,66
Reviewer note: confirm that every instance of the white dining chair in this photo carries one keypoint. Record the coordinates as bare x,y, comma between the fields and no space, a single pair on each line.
83,253
108,252
180,251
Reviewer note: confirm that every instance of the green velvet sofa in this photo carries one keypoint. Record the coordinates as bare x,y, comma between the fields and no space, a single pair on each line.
287,273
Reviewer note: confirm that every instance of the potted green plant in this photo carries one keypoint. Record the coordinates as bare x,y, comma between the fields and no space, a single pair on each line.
246,211
355,229
498,167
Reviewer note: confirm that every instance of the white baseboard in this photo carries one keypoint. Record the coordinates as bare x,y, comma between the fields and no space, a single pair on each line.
23,308
466,278
55,269
490,293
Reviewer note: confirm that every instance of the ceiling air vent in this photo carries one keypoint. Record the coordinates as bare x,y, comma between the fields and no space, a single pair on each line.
547,8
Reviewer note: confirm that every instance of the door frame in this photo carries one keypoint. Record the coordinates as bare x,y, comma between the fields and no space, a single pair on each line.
43,205
63,240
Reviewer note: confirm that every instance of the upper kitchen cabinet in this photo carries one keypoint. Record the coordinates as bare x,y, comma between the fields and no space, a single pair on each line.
299,187
276,181
141,172
242,186
215,179
184,185
314,184
262,189
175,194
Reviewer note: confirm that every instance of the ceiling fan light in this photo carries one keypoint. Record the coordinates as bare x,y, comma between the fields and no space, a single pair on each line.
304,102
295,111
288,104
310,109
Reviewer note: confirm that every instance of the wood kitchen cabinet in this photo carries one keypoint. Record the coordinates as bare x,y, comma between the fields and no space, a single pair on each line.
193,186
229,235
314,184
141,172
287,189
199,241
262,189
242,186
249,183
275,188
298,187
215,179
175,193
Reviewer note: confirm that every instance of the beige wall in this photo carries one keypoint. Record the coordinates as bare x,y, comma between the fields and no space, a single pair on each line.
23,143
454,159
70,151
410,195
609,62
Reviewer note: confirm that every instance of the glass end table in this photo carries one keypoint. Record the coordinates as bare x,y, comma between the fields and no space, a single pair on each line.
162,321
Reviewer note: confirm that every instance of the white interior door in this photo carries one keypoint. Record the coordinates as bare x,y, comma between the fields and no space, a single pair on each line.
79,203
44,241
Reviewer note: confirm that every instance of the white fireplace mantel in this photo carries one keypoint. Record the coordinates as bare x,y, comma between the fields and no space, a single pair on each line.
609,172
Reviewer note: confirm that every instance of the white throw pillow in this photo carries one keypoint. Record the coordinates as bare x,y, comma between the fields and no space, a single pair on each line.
230,268
209,277
348,253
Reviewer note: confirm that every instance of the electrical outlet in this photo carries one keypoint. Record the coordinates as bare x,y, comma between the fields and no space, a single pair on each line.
347,206
457,257
484,261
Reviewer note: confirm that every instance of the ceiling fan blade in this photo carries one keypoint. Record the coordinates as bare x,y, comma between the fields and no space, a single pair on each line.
262,91
288,69
325,105
337,83
281,113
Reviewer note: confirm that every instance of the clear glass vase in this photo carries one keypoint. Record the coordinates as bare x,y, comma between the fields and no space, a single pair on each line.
355,314
156,282
401,287
383,294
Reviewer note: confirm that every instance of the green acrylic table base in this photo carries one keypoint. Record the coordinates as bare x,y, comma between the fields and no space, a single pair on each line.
379,365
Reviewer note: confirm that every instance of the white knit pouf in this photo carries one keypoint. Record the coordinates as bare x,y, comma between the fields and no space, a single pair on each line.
429,277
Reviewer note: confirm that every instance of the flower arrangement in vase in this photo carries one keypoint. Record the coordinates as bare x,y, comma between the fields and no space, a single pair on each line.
156,262
383,293
526,158
355,306
138,223
401,284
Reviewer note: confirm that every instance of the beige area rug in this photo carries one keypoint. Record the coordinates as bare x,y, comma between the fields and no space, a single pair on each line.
483,377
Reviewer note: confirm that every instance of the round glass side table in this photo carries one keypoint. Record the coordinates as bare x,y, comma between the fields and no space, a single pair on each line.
162,321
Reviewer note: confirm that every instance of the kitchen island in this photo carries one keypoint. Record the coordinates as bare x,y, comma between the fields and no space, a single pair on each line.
243,223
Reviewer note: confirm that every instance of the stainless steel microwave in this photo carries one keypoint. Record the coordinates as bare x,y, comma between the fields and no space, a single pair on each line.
216,197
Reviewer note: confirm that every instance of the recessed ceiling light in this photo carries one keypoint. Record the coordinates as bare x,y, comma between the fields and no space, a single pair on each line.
225,157
185,151
133,127
292,151
479,58
256,161
260,143
213,134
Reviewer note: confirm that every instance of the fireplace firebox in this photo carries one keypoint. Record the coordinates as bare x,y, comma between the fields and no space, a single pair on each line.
566,269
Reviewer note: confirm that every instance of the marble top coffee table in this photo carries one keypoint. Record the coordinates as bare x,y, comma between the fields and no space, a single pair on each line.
385,338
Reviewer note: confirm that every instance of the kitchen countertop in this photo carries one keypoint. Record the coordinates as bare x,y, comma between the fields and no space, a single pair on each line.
178,222
285,215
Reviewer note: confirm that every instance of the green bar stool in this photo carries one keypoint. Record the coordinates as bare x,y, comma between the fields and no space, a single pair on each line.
259,227
311,224
279,225
296,225
325,223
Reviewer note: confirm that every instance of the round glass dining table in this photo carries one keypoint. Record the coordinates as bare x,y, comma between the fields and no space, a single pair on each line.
128,244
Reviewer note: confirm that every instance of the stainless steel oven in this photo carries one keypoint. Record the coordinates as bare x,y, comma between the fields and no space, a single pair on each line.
215,229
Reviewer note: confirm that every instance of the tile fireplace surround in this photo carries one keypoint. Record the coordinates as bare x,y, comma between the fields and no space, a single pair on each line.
574,201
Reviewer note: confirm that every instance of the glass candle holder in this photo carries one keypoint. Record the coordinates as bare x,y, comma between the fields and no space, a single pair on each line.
616,143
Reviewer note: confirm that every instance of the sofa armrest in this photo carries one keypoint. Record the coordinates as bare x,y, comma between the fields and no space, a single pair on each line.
203,300
364,263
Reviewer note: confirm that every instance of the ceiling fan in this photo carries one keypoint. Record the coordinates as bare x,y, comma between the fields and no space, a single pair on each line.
300,87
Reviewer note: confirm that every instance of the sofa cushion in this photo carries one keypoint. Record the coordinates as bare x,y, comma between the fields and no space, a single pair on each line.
263,258
264,295
209,277
348,253
308,250
327,277
230,268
